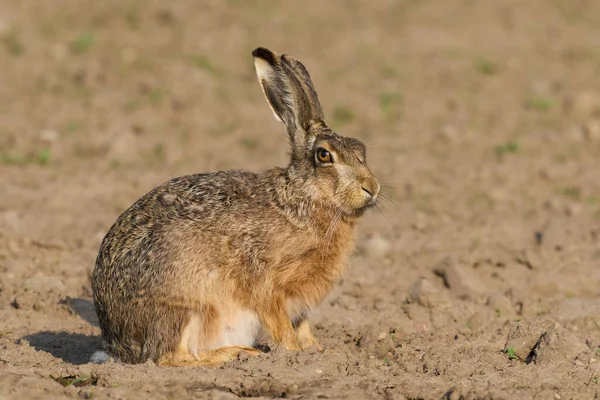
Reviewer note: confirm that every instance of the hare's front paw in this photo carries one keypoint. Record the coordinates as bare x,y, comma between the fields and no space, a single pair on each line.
305,337
291,343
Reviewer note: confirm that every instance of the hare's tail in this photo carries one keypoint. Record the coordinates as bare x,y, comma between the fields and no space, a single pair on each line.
101,357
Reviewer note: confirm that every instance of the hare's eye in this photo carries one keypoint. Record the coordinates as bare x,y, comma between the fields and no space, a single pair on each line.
324,156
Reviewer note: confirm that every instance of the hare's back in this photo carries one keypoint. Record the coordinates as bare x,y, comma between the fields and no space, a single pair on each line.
193,210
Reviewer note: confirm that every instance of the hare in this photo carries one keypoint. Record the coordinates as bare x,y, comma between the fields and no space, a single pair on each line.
192,272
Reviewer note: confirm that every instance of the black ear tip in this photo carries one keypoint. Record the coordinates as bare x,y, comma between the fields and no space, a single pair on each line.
265,54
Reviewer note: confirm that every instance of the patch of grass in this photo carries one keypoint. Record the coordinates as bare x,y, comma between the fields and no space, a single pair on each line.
387,361
596,380
539,103
390,103
132,106
509,147
159,153
75,380
72,127
156,96
481,200
83,43
511,353
43,156
342,115
13,44
468,324
223,129
498,312
203,63
12,159
249,143
133,19
390,72
592,200
572,192
4,334
115,164
486,67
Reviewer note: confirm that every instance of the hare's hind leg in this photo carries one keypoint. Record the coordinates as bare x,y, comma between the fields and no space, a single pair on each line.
211,358
305,337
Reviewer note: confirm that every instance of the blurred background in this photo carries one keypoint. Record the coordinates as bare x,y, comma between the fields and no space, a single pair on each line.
482,118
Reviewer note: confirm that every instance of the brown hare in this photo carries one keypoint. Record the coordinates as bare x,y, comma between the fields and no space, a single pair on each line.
194,271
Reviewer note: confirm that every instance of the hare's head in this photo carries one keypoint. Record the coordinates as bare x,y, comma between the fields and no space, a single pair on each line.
332,166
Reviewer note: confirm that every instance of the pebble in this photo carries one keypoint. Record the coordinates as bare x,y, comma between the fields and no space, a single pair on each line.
426,294
460,283
531,259
592,130
583,105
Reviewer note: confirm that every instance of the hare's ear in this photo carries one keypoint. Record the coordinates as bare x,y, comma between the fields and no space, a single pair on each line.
290,94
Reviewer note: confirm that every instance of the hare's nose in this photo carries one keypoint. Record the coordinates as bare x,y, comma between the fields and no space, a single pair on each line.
368,190
371,187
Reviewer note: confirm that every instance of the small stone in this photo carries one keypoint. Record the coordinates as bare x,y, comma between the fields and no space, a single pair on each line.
319,371
84,370
583,105
576,133
531,259
592,130
480,319
578,363
592,360
448,133
460,283
382,336
557,396
573,209
426,294
49,136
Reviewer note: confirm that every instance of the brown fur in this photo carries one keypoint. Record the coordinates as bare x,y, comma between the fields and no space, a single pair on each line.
197,255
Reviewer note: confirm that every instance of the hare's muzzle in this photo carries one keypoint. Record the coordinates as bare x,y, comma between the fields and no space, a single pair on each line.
370,187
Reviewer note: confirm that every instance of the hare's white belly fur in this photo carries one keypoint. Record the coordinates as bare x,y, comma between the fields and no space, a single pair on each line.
240,328
234,327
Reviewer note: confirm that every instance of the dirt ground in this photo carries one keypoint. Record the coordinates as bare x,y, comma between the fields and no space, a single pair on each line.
479,278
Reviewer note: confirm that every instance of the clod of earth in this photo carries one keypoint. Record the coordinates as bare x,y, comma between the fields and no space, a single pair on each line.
461,283
426,294
543,341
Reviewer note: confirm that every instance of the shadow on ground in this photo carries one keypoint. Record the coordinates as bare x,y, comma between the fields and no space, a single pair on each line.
73,348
